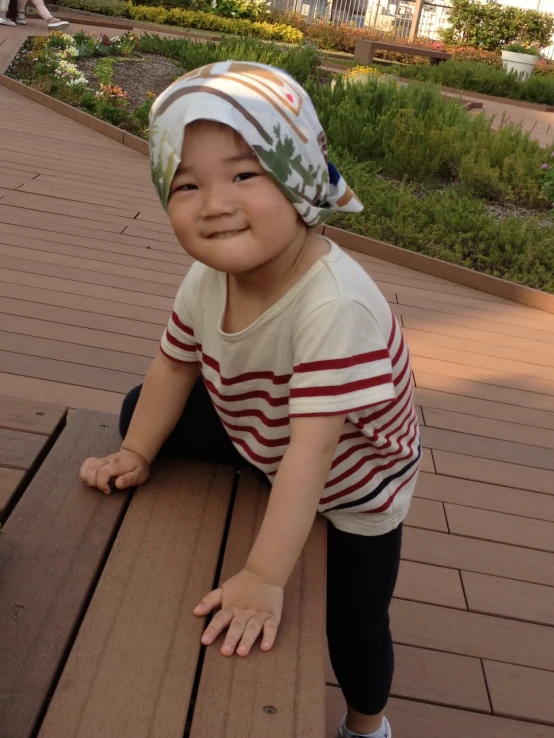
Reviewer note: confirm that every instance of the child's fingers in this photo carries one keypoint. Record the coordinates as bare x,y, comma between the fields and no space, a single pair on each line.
236,631
89,471
209,602
130,479
112,468
251,632
271,626
221,621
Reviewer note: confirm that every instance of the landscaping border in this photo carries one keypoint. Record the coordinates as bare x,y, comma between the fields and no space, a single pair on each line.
362,244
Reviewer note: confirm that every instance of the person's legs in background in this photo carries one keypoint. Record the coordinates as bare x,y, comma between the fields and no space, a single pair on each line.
4,21
42,12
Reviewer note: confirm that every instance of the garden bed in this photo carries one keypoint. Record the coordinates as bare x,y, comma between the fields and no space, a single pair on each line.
433,178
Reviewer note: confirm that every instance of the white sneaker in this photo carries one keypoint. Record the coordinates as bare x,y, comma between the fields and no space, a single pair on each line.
6,22
21,20
56,24
343,730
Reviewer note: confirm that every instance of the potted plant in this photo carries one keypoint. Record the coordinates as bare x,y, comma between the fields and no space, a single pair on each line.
520,59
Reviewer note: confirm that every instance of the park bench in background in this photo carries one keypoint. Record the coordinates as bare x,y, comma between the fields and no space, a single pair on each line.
365,51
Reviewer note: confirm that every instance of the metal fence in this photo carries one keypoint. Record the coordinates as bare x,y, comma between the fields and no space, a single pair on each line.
391,16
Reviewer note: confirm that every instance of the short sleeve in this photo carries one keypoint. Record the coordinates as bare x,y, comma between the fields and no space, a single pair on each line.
178,341
341,361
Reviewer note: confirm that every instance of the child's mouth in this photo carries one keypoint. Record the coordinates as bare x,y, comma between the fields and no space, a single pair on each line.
226,234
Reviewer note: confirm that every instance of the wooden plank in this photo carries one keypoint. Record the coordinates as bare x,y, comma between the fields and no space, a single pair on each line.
497,450
10,479
70,373
484,408
436,585
95,291
131,670
241,688
10,182
472,634
87,275
82,318
485,496
533,603
542,387
530,349
441,678
485,557
78,335
427,463
480,388
65,530
30,388
84,303
495,526
499,472
533,323
31,417
519,692
151,234
420,720
499,429
452,341
95,265
427,514
82,182
483,324
45,185
480,360
18,450
11,214
51,204
67,352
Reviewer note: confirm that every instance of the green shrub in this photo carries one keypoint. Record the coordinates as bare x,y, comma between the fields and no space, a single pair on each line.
115,8
523,49
481,77
300,62
492,26
448,224
210,22
413,133
104,71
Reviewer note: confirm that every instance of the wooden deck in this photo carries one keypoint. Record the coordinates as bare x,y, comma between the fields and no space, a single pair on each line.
88,270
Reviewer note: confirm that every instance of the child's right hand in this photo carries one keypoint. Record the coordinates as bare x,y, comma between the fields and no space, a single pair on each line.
128,468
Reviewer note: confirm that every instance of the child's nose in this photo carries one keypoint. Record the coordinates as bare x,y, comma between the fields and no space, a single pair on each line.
217,201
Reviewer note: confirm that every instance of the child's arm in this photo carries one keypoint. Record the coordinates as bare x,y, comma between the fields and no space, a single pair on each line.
164,394
252,600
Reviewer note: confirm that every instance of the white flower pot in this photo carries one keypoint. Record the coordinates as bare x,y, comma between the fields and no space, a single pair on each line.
520,64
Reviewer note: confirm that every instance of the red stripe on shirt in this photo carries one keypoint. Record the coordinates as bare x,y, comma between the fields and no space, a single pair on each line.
328,364
254,394
253,413
246,377
393,332
341,389
190,348
375,470
177,320
253,455
177,361
262,440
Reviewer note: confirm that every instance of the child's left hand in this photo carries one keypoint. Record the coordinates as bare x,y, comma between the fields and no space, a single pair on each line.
249,605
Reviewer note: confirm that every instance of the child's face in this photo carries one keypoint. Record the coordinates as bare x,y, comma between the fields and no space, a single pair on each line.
224,209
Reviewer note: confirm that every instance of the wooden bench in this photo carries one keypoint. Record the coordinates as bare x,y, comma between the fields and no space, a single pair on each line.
365,51
97,636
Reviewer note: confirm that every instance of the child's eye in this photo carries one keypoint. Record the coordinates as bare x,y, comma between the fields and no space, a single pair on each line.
245,175
186,187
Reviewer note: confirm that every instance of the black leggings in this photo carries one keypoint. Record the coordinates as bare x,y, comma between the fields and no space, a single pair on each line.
361,570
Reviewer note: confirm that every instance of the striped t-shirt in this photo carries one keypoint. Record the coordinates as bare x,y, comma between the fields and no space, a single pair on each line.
330,345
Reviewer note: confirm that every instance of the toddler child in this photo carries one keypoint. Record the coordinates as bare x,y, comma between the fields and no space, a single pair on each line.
280,352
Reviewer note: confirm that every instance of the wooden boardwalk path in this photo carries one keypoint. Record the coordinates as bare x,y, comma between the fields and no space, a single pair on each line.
88,271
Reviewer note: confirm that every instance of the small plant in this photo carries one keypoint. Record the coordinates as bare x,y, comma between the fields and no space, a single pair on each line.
522,49
548,179
104,71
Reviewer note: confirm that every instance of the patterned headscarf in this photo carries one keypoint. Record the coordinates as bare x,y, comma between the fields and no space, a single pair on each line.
275,117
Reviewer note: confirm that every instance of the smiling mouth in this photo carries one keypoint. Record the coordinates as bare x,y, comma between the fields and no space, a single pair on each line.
226,234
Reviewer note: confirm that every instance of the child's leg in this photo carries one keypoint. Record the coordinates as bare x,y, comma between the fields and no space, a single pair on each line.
361,575
199,433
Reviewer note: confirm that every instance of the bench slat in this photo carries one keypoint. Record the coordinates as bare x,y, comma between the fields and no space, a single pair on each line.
50,552
291,677
131,670
32,417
